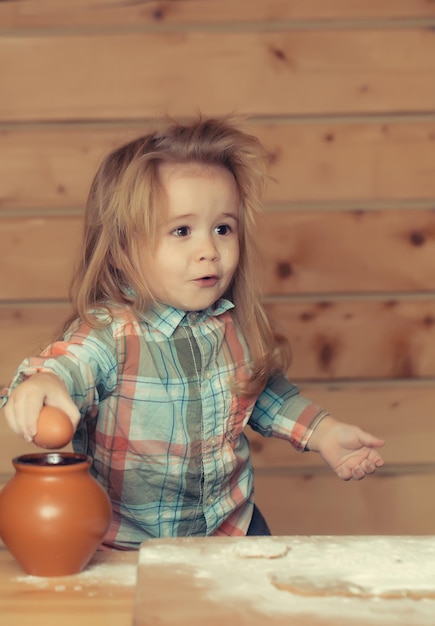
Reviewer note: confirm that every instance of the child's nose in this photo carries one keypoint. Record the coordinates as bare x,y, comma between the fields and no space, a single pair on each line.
208,250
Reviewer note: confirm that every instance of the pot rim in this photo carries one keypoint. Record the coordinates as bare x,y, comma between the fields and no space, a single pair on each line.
51,459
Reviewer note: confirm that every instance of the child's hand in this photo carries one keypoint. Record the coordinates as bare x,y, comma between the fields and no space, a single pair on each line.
27,399
348,450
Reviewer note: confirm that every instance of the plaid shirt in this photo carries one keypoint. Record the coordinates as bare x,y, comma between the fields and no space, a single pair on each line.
161,423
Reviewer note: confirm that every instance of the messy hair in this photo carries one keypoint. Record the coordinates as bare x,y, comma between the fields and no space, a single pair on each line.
123,205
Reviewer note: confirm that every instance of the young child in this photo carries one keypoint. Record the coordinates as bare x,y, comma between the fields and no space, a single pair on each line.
168,353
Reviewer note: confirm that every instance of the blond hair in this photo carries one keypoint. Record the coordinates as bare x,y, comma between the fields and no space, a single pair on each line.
123,204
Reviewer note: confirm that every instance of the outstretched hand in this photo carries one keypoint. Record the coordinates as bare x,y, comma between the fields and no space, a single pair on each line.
348,450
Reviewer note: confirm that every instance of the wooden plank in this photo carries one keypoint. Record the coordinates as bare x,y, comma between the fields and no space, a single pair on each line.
56,163
347,251
37,257
26,330
402,414
304,252
337,340
323,505
310,161
348,338
261,73
345,161
46,13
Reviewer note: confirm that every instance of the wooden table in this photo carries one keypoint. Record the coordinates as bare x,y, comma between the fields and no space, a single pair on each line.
102,595
248,581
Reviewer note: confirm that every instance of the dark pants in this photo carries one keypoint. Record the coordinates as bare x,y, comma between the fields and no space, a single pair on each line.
258,525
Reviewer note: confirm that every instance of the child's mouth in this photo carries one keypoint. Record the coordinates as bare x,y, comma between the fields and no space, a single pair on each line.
209,281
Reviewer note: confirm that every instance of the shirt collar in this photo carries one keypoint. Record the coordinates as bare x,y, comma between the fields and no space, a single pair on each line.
166,319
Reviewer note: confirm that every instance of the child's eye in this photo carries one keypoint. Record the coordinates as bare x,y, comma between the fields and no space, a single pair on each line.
223,229
181,231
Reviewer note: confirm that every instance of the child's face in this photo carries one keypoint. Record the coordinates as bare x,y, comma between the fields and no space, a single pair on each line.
197,246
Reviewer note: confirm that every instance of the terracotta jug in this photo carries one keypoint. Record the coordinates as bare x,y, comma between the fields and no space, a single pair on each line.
53,513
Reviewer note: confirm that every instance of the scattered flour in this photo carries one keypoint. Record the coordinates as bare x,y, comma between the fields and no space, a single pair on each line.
123,574
389,579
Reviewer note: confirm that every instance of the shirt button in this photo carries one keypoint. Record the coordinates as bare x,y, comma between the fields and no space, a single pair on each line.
210,500
213,441
207,374
193,316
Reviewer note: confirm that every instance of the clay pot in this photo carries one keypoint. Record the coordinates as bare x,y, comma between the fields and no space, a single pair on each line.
53,513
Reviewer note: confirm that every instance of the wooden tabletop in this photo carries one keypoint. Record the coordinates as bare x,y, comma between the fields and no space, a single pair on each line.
102,595
248,581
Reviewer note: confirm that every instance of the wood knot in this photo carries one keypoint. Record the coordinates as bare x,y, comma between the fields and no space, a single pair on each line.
306,316
417,238
326,355
284,269
279,54
256,446
273,157
428,320
324,304
158,14
359,213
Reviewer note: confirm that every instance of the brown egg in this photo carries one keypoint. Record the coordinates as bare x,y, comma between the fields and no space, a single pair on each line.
55,429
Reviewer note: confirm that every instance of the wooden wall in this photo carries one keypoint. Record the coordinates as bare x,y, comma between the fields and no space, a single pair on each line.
342,93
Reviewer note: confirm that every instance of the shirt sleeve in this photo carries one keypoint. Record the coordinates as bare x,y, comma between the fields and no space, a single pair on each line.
280,411
85,359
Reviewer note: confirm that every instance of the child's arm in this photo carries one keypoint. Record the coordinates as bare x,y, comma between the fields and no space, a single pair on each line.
27,399
348,450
